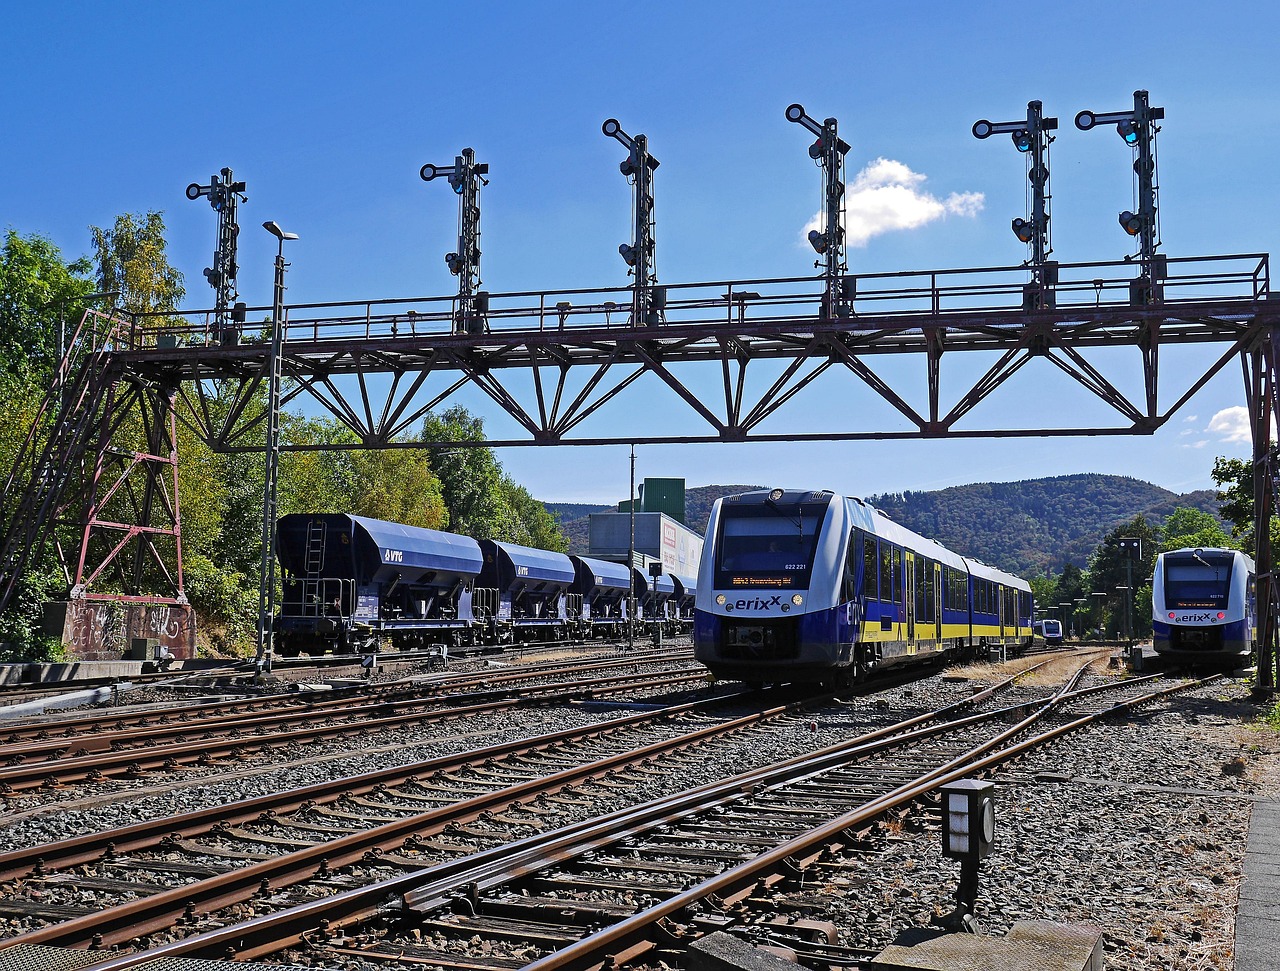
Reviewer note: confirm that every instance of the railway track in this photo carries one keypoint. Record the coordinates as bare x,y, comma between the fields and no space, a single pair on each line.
470,885
97,747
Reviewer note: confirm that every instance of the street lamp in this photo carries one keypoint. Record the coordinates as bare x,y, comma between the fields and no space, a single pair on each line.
267,583
1128,613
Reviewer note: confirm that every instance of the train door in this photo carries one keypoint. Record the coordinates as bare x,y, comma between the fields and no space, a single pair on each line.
937,603
1002,605
909,598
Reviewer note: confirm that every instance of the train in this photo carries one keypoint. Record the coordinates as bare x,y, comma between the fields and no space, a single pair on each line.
356,584
1203,605
1050,630
800,586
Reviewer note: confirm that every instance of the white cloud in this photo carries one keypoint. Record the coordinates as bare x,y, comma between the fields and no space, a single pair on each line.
1200,444
1190,419
887,195
1233,425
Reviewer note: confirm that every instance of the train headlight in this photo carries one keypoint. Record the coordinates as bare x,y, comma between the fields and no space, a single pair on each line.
797,599
721,598
775,495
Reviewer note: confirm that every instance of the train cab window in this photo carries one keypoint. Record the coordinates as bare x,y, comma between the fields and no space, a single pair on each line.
768,545
898,576
1197,579
870,567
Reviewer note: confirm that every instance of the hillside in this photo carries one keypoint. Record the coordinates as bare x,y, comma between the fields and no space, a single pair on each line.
1025,527
1035,525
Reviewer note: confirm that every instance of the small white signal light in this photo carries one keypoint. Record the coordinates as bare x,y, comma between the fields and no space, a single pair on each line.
797,599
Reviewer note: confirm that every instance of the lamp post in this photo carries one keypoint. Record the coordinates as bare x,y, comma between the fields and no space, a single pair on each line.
631,559
1101,599
267,583
1128,614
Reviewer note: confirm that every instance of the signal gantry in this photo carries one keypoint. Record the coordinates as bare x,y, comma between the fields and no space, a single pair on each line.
1032,139
649,300
224,195
829,150
466,176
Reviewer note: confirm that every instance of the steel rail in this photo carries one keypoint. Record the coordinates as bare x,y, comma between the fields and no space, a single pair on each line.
734,885
492,864
162,910
189,714
15,778
90,847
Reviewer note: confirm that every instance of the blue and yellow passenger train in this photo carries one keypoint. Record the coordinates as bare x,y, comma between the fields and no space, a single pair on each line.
801,586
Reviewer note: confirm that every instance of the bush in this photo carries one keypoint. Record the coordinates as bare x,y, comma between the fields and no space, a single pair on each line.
226,606
21,637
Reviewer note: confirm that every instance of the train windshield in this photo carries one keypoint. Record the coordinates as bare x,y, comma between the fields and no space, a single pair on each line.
768,545
1197,579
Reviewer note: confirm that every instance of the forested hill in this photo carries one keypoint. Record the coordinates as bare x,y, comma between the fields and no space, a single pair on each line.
1035,525
1025,527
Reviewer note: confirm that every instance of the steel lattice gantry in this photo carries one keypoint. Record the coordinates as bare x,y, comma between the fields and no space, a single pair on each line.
742,360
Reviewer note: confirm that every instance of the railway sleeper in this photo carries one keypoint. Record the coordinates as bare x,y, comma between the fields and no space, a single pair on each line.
697,852
584,913
428,957
225,852
513,931
576,883
675,868
104,884
53,914
199,871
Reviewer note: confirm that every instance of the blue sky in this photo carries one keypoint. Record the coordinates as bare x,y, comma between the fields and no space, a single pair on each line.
328,110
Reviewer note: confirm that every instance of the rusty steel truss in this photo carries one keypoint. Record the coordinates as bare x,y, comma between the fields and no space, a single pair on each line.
734,361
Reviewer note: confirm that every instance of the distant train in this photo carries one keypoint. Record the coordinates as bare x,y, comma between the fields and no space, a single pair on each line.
358,584
1050,630
812,587
1203,604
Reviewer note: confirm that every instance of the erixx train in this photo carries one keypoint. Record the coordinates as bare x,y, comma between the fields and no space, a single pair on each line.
1203,605
813,587
356,584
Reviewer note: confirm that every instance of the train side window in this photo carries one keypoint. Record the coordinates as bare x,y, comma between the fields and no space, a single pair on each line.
870,567
886,573
897,575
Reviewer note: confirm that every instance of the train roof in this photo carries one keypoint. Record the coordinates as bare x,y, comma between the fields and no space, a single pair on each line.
543,566
984,572
430,548
606,573
685,586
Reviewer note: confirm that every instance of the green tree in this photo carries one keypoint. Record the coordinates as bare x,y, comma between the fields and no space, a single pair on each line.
482,501
1110,569
1193,528
1234,478
529,522
130,257
38,290
470,477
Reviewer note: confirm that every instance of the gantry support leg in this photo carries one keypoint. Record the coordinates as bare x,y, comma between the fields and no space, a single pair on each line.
1263,411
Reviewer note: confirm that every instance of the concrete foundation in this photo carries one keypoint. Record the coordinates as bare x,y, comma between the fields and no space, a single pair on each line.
1030,945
